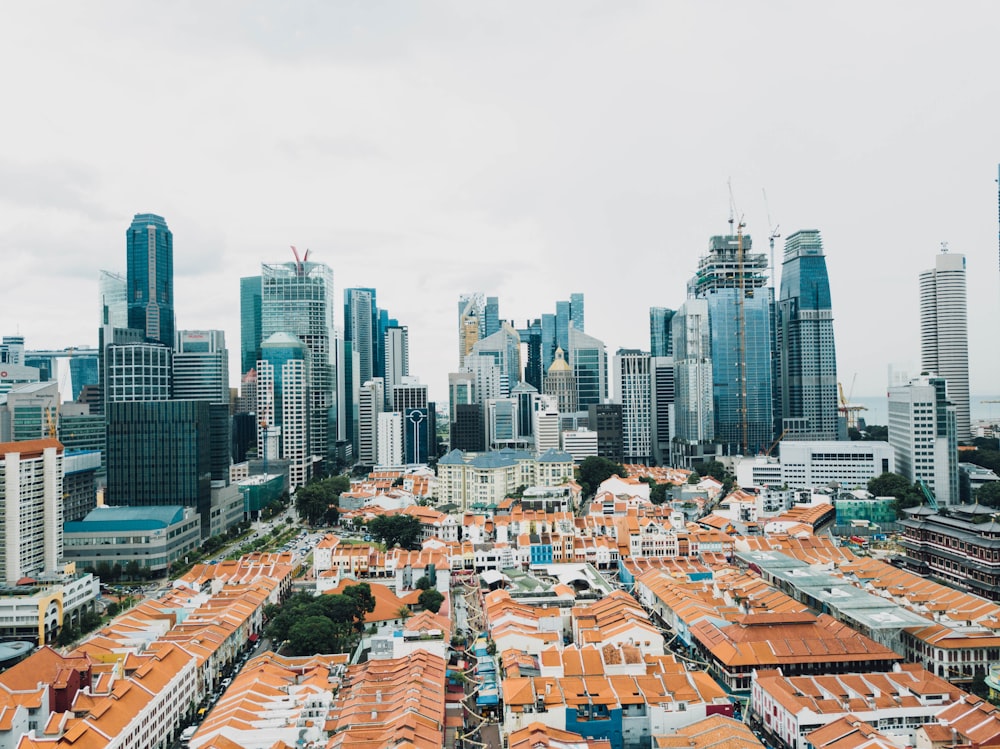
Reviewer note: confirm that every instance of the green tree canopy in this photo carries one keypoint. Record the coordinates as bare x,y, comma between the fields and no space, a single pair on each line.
431,600
404,530
989,494
423,583
315,634
889,485
594,471
315,500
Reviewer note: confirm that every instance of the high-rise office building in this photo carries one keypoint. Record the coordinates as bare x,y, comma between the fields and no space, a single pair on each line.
31,501
732,280
633,389
660,337
568,314
282,386
805,350
370,404
922,424
150,276
504,348
944,332
408,393
419,438
390,439
112,293
360,326
251,333
201,366
606,420
138,372
201,372
694,411
491,316
501,420
297,299
589,359
661,372
397,358
159,453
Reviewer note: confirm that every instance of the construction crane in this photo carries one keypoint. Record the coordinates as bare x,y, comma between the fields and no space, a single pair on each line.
775,443
50,423
846,409
772,235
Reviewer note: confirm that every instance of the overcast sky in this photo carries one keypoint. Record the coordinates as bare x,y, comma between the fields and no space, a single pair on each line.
522,149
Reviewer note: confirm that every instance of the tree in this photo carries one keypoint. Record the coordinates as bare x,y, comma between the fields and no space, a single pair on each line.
404,530
314,634
431,600
594,471
657,492
989,494
364,601
424,583
314,500
889,485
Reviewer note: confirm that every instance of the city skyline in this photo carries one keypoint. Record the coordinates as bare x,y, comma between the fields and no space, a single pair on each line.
438,163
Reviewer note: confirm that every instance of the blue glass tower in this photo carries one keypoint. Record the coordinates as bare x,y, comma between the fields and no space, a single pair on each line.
251,332
150,277
732,280
806,355
660,335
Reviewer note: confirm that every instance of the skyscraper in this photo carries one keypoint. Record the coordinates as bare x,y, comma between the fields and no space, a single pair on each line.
633,389
250,322
31,499
360,323
694,410
297,298
201,372
661,372
922,424
112,295
283,405
397,358
660,337
491,316
150,277
732,280
370,403
944,332
805,350
504,347
159,453
589,359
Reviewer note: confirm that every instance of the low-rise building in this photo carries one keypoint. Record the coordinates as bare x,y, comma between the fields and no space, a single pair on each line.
896,702
152,537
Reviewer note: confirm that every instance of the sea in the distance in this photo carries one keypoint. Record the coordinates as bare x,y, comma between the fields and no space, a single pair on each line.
878,408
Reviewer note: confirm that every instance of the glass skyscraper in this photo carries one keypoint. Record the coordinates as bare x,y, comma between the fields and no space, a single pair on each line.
660,336
297,298
250,324
150,277
732,280
805,351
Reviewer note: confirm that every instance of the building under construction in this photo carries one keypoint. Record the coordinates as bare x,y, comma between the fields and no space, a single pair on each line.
734,283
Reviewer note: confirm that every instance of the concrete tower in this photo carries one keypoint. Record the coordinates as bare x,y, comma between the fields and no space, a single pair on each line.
944,332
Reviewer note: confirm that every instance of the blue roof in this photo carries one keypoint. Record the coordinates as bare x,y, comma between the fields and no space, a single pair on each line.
454,458
493,460
126,519
555,456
